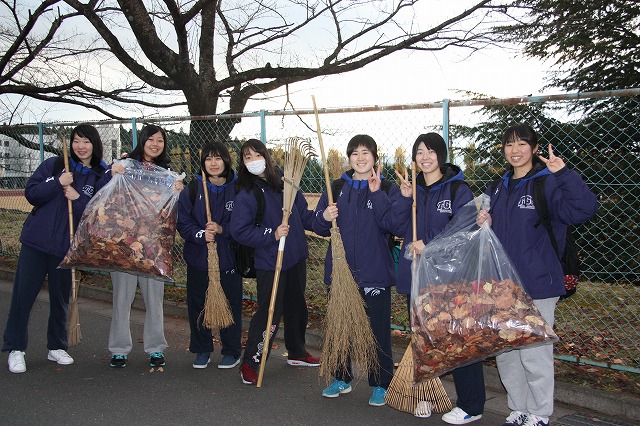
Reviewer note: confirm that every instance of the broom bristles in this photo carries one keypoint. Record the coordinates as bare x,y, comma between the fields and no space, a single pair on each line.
217,311
74,336
404,396
348,333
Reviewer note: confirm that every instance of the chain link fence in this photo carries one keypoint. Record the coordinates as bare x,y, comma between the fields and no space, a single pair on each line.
597,134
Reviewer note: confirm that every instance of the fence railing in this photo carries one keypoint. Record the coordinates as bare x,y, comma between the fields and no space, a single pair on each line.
597,134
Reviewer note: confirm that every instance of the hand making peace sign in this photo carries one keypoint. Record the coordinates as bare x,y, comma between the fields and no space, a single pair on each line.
554,164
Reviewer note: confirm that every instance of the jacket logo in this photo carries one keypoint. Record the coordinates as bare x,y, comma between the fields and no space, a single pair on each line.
369,205
373,291
88,190
267,231
229,206
200,233
444,206
526,202
49,179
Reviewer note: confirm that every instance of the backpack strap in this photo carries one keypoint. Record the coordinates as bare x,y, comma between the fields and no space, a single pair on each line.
58,166
336,187
540,204
453,189
257,192
193,191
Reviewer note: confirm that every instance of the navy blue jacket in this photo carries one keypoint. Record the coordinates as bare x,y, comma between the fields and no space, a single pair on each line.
515,222
434,210
47,226
262,238
365,220
192,219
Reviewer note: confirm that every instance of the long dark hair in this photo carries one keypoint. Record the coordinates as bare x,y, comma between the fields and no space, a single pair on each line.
216,149
245,178
147,131
91,133
523,132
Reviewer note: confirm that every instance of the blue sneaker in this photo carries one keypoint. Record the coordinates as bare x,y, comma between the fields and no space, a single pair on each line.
228,361
156,359
336,388
202,360
118,361
377,397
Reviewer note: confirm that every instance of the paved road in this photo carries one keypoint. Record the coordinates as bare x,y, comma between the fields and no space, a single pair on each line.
90,392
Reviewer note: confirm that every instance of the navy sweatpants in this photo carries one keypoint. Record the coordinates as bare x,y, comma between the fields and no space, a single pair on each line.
33,266
378,308
231,337
291,305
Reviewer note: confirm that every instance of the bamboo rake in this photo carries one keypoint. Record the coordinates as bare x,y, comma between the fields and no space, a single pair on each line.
297,153
347,331
217,311
403,395
74,335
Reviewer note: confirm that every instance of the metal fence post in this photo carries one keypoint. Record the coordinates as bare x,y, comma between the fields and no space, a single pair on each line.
134,134
263,127
445,124
41,139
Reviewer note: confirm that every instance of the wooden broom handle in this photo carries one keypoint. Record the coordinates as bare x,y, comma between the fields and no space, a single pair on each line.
205,189
414,213
65,156
324,159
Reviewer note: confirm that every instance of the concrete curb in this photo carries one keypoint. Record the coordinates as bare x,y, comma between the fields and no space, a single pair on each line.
594,400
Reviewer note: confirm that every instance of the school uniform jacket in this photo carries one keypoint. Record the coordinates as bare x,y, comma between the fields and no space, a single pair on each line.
262,238
192,220
434,210
365,220
47,226
515,222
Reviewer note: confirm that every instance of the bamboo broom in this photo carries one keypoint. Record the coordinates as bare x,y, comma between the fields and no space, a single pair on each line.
217,311
297,153
347,331
419,399
74,335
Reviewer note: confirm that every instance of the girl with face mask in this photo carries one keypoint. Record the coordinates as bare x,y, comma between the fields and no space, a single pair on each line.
256,168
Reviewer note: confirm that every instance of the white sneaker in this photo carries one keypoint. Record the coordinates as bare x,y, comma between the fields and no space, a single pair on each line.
60,356
458,416
16,362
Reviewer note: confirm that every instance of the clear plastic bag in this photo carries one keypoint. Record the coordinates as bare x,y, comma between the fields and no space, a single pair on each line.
129,225
467,299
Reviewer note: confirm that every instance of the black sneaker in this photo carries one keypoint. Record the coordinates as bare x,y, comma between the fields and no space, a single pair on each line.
156,359
118,361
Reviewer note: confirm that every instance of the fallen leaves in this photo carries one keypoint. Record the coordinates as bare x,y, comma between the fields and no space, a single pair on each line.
457,324
128,226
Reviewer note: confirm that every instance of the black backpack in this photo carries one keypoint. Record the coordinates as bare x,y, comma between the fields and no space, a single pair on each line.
243,255
569,260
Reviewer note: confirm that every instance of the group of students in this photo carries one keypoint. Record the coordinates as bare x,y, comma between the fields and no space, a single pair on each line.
367,211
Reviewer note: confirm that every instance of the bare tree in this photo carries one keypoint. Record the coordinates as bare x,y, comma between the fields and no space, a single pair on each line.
209,53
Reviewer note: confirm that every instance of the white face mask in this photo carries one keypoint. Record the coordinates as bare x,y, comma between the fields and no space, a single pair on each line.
256,167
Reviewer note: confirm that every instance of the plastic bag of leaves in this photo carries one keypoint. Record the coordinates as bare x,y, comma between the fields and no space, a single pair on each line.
129,225
467,300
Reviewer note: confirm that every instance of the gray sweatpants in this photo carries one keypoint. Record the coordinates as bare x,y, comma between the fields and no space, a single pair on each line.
124,291
527,374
